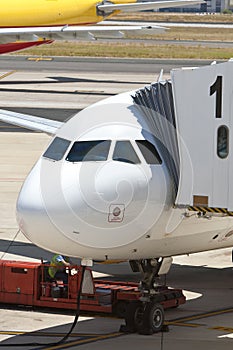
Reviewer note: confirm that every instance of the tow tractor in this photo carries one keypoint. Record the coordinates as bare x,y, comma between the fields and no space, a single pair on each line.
28,283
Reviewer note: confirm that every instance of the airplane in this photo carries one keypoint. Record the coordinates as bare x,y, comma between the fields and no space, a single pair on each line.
133,177
25,23
141,176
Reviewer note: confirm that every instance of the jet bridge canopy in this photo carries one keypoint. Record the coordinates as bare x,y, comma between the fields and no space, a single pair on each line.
204,117
190,118
155,103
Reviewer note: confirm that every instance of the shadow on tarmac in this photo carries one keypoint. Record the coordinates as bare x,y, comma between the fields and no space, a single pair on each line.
75,92
46,338
69,80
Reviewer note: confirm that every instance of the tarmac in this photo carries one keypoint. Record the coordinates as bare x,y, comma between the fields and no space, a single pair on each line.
205,322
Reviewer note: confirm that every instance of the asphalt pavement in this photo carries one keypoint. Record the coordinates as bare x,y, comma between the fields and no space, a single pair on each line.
77,65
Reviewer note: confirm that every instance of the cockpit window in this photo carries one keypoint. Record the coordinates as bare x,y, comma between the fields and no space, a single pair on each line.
86,151
124,152
57,149
149,152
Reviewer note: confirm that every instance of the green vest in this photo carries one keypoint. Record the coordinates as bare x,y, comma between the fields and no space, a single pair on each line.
55,266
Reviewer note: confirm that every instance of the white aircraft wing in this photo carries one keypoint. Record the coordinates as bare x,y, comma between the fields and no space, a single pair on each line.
74,32
30,122
172,24
142,6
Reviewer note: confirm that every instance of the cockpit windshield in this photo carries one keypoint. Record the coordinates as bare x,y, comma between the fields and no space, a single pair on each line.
57,149
124,152
149,152
87,151
98,150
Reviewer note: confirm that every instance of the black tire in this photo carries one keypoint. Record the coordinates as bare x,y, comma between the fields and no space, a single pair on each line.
149,318
121,309
139,316
156,317
129,326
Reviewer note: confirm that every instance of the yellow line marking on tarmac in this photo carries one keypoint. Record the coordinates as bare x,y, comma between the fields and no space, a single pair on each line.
46,334
37,59
208,314
2,76
83,341
11,333
182,324
182,321
224,329
88,338
38,333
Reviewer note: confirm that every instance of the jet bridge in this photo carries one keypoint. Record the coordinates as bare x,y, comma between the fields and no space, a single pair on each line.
196,111
204,116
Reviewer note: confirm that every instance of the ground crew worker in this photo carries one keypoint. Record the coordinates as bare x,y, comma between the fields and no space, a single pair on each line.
57,269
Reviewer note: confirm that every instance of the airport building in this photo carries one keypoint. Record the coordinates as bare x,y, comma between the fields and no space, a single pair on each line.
210,6
217,5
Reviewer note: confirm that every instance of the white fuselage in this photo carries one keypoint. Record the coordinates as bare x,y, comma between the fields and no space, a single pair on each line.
107,207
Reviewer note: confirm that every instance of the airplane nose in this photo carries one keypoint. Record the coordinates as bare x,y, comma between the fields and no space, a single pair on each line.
29,207
78,210
33,211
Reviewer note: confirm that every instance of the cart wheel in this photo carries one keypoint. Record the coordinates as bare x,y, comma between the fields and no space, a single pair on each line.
129,326
149,318
139,316
156,317
120,309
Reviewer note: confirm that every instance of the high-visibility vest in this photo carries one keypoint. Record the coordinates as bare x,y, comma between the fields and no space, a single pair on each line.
56,265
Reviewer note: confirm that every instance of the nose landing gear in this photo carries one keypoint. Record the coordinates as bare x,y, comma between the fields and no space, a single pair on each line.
146,316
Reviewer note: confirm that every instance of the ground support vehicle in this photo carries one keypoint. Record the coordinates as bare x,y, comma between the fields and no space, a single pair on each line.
28,283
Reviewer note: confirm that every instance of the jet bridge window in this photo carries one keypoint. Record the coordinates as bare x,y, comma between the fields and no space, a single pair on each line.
149,152
223,142
57,149
124,152
86,151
